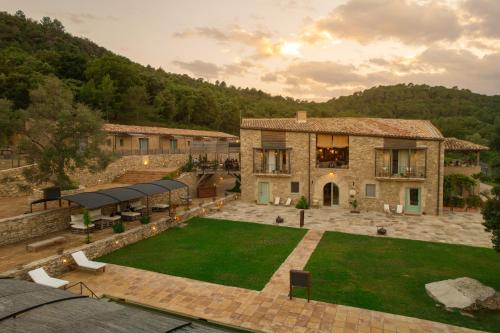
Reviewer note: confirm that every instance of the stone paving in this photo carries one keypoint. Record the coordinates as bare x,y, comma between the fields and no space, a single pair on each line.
248,309
451,227
269,310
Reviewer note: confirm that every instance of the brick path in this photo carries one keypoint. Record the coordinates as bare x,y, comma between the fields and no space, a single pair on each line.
267,311
279,283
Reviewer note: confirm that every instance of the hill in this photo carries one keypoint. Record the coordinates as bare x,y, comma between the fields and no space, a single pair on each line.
127,92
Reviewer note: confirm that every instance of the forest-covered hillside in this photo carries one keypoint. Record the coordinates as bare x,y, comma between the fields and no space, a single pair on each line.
127,92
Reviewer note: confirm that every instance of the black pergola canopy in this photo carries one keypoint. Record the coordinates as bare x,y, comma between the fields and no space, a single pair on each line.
116,195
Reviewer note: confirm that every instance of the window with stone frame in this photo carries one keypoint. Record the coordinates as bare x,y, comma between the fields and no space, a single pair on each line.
370,190
295,187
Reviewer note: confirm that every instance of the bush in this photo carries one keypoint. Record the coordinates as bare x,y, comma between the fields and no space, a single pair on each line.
189,165
457,201
170,176
118,228
473,201
237,187
302,204
145,219
491,216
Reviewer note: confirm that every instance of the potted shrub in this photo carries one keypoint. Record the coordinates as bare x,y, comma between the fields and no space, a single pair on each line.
118,228
302,204
473,203
354,205
87,222
145,219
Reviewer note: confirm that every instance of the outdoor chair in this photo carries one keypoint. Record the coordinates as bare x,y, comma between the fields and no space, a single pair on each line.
83,262
387,209
288,202
399,209
40,276
137,206
277,201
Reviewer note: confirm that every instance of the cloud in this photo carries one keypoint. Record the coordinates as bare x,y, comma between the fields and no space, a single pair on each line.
83,18
200,68
408,21
434,66
483,16
212,71
261,41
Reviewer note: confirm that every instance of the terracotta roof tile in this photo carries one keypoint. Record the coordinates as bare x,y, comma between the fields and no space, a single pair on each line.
381,127
462,145
116,128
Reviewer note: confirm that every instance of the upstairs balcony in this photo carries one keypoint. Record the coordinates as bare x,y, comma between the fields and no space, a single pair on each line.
400,164
272,161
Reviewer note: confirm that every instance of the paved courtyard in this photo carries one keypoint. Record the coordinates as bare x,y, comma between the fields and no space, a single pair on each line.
451,227
269,310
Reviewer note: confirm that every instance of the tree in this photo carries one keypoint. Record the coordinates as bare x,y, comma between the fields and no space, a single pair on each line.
106,94
491,216
10,121
60,136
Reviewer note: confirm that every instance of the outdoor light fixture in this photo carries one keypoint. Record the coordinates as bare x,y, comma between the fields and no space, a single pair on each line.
153,228
116,242
145,160
65,261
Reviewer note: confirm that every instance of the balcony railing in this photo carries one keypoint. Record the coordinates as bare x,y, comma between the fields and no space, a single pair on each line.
408,172
272,161
280,171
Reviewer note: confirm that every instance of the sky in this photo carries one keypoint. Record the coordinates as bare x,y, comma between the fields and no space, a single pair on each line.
312,50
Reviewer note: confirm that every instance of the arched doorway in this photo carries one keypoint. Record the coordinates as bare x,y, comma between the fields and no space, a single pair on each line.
330,194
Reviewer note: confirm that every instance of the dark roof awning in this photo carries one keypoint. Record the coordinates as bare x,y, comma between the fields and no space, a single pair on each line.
169,184
91,200
123,193
148,189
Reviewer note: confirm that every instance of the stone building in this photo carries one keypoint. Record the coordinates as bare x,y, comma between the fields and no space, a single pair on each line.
148,140
335,161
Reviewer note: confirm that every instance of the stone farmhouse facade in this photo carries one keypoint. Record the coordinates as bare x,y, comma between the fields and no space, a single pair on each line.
334,161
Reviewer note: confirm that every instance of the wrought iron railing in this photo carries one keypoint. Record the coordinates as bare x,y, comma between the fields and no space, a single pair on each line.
407,172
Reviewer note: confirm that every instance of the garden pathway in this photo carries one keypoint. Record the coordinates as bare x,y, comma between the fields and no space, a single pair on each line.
279,283
248,309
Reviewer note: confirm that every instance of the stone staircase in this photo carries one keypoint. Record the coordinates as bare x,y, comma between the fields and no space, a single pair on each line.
142,176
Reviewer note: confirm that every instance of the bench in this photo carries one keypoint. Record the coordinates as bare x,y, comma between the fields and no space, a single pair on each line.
44,243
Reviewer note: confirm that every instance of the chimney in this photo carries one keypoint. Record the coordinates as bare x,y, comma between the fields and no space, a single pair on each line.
301,116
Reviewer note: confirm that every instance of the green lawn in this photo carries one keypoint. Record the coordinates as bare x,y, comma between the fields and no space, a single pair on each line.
389,275
231,253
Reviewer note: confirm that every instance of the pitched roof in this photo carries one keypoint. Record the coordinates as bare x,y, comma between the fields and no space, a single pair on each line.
132,129
381,127
462,145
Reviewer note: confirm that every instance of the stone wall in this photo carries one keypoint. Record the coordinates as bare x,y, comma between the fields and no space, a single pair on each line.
26,226
11,179
361,171
123,164
60,263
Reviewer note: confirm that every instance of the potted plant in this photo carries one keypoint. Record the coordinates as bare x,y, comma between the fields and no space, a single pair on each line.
302,204
354,205
118,228
87,222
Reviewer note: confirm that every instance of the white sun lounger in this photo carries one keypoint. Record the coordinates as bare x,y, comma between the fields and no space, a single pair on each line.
288,202
40,276
399,209
277,201
387,209
83,262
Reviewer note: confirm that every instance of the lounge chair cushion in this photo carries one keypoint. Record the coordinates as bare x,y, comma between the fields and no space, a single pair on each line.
41,277
83,262
81,226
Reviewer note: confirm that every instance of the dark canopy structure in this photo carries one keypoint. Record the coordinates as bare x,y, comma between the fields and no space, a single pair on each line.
116,195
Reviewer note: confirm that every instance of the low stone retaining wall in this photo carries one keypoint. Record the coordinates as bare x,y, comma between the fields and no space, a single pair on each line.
60,263
18,228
